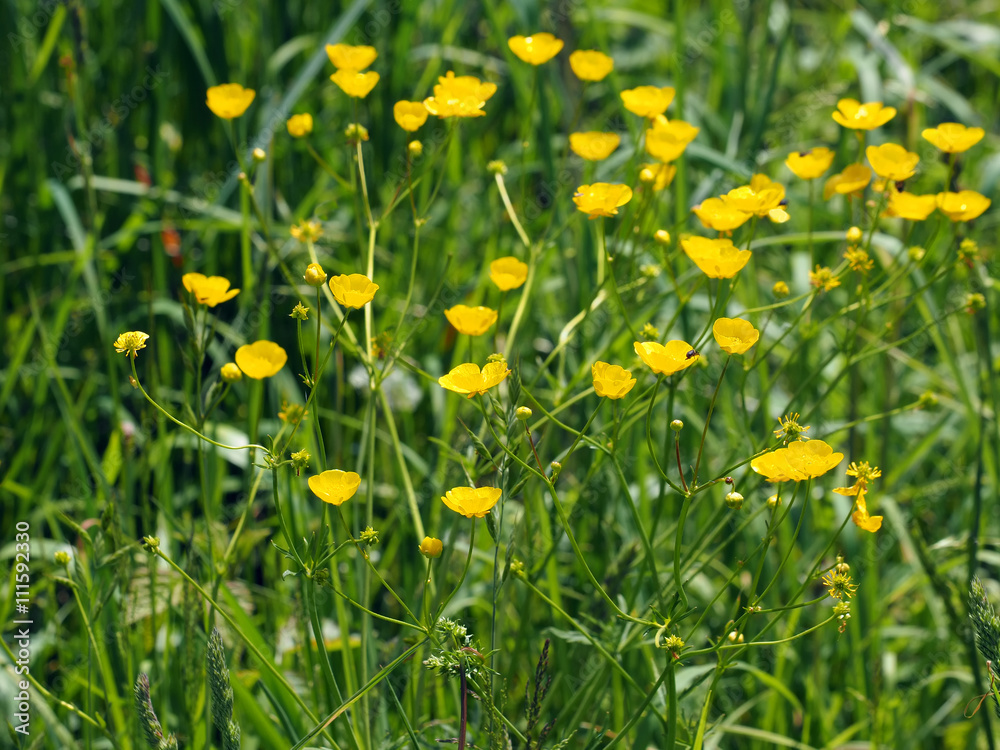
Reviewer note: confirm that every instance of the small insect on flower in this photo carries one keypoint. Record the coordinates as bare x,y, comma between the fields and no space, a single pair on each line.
130,343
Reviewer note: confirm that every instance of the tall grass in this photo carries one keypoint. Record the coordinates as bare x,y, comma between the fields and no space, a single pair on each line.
623,592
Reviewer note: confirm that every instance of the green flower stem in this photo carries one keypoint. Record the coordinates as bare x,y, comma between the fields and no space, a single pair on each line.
649,438
321,726
413,275
190,429
324,166
601,253
585,633
107,676
97,723
384,583
281,519
643,536
315,384
667,675
511,213
465,571
266,662
708,419
443,152
563,518
733,646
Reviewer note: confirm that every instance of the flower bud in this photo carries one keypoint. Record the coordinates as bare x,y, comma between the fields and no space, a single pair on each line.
62,557
646,175
259,155
431,547
662,236
523,413
356,132
773,502
677,425
315,275
780,289
556,468
416,148
734,500
854,234
230,372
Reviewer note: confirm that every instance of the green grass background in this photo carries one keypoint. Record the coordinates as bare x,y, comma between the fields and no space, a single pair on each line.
79,452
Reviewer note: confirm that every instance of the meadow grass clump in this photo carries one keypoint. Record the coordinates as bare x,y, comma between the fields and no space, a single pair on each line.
621,378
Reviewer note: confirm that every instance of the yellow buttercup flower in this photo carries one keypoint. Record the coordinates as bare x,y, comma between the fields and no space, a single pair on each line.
355,290
229,100
658,175
315,275
472,321
717,258
300,125
409,115
666,140
601,198
891,161
857,116
760,197
355,84
852,180
351,57
431,547
335,486
863,473
130,343
472,501
802,459
261,359
611,381
648,101
861,518
953,138
666,359
823,278
508,273
734,336
536,49
230,372
590,65
208,290
459,96
962,206
469,380
307,231
912,207
715,213
808,165
593,146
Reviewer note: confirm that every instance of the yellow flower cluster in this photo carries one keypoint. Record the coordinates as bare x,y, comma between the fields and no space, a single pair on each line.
350,61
